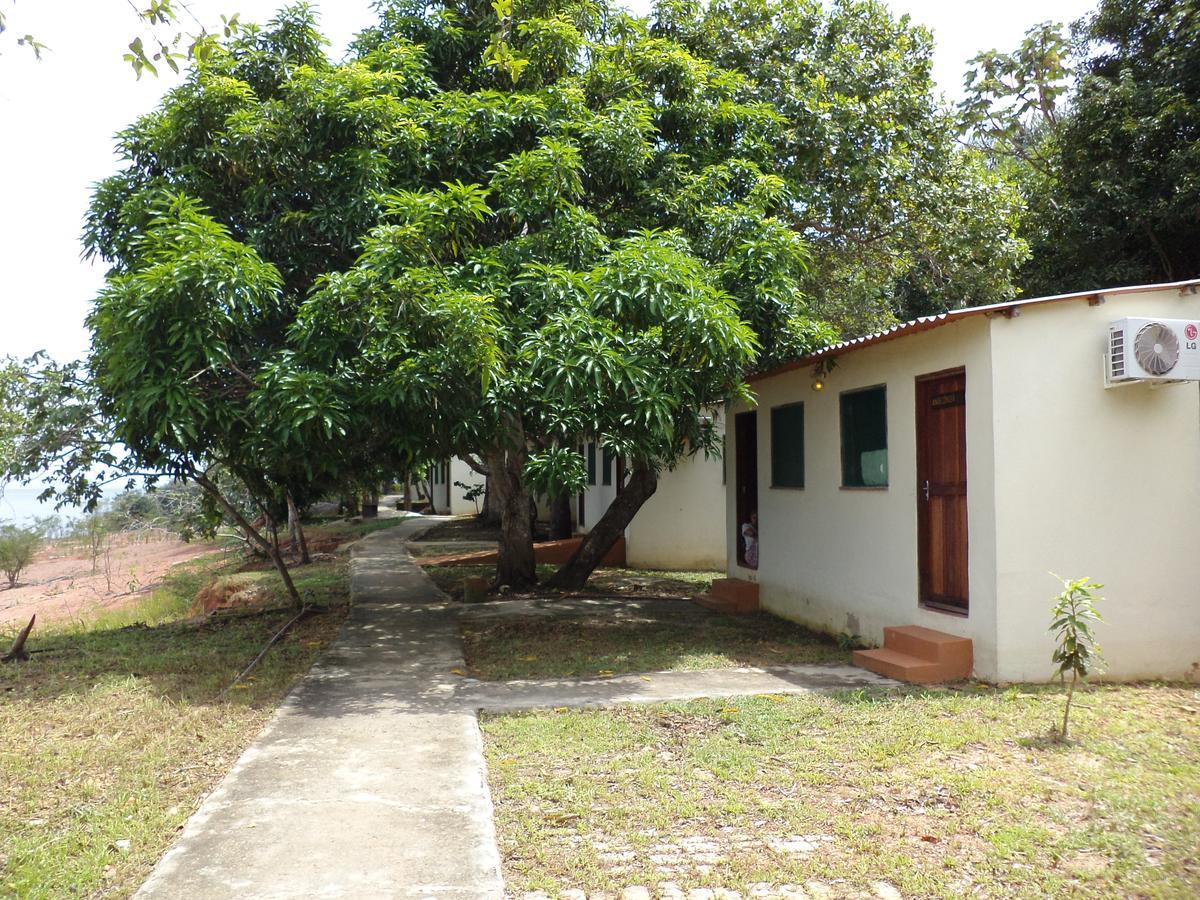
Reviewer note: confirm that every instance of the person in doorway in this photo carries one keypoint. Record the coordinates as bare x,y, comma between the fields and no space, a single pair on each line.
750,540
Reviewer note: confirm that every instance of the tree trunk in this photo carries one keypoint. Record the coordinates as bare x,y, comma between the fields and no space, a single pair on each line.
515,566
18,653
605,533
491,513
296,531
560,518
293,519
1067,709
282,569
270,548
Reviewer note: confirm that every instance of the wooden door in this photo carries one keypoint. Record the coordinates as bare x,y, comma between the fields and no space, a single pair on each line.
746,479
942,490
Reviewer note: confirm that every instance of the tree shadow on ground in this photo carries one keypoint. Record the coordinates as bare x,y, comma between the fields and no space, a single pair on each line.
191,661
640,641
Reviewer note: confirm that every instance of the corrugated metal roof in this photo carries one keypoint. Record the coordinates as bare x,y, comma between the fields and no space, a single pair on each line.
927,323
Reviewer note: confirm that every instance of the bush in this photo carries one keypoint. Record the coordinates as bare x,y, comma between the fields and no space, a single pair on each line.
17,548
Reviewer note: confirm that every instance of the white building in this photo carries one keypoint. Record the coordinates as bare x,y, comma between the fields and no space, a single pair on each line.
449,482
679,527
947,466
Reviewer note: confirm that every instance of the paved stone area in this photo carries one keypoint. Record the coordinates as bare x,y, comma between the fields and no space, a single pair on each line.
370,779
367,782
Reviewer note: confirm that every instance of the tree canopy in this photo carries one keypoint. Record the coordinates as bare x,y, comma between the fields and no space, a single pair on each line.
502,230
1101,132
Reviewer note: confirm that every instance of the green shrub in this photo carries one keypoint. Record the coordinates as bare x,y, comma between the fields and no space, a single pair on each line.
17,549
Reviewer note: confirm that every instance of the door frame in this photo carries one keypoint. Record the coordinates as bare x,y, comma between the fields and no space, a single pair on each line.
745,463
923,590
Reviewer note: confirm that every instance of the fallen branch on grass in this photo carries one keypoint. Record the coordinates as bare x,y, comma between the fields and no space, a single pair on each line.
304,611
17,652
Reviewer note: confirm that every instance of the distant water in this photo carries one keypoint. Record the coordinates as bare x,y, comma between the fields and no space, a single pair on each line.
20,504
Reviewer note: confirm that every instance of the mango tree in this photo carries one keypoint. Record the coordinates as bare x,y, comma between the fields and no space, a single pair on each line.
501,229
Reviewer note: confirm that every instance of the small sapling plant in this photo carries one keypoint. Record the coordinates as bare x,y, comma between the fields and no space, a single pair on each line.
1076,651
472,492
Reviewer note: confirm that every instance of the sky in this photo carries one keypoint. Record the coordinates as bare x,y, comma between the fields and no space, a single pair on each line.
58,118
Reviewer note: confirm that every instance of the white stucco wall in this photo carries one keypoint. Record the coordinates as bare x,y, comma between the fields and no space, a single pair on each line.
846,559
461,472
1104,483
596,497
681,526
439,487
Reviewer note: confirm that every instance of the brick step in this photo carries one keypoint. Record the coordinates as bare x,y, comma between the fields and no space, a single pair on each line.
735,589
725,605
732,596
935,646
901,666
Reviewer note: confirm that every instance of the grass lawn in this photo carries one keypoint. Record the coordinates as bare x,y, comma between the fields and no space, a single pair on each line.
937,793
498,650
598,645
114,731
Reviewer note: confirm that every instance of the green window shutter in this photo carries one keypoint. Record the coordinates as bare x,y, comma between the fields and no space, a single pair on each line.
787,446
608,466
864,438
591,459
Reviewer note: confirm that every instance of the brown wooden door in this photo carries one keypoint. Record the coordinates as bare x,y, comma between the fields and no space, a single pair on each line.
942,489
746,477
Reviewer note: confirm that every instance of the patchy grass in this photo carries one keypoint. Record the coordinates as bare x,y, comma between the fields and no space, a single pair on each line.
450,579
462,528
473,530
114,731
427,550
633,583
939,794
345,530
498,650
650,581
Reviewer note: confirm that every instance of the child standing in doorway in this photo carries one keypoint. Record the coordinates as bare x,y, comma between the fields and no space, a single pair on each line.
750,540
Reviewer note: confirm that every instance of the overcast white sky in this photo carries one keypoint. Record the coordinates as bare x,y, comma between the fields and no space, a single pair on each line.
58,118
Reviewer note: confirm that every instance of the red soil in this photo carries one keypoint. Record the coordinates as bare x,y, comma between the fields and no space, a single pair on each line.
61,583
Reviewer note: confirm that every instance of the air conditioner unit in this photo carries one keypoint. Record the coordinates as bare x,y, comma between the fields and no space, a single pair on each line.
1156,350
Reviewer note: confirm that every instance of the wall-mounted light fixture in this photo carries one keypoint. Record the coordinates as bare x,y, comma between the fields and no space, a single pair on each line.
820,371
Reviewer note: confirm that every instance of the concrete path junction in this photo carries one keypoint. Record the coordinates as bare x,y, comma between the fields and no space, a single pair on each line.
370,780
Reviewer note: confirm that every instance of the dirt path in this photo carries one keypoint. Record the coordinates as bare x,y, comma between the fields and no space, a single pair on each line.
65,583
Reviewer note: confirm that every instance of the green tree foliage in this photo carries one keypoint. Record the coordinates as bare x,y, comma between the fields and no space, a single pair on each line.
1014,99
51,423
500,230
1109,169
17,549
160,40
900,220
12,377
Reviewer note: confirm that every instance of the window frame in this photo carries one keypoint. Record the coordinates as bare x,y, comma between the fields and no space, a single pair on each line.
842,398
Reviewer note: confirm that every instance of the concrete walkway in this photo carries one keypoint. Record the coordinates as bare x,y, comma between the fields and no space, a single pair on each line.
370,780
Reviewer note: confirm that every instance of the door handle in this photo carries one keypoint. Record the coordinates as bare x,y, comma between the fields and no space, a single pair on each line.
926,490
